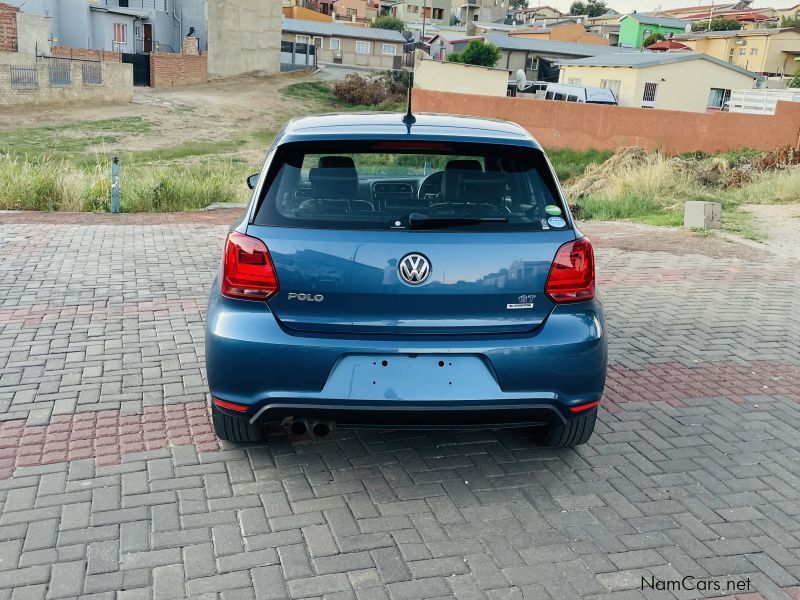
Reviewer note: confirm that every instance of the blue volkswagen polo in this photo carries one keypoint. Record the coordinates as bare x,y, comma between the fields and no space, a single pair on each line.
405,272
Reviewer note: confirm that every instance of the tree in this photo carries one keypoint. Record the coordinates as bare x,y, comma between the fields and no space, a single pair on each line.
791,21
515,4
477,52
652,39
593,8
795,83
389,22
717,24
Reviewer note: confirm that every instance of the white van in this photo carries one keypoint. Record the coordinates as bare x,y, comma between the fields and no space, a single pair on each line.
578,93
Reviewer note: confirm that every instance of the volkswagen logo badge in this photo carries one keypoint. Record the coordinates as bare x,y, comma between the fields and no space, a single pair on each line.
414,268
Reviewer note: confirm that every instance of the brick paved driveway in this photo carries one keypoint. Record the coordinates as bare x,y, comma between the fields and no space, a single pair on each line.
112,485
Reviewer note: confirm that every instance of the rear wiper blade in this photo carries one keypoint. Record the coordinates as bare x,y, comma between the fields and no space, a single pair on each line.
420,221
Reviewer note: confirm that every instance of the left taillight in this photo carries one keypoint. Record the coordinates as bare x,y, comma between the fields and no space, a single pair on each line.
247,269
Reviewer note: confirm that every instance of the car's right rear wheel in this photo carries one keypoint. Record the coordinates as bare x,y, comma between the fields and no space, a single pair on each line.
233,429
574,432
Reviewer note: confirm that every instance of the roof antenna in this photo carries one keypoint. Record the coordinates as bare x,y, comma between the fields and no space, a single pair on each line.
409,119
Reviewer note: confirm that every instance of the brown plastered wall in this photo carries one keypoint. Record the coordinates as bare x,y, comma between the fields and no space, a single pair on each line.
167,69
591,126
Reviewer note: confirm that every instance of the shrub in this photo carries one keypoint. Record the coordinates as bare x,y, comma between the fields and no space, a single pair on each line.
355,89
477,52
652,39
389,22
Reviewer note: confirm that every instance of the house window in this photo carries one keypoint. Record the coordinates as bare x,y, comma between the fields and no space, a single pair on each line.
753,51
336,44
352,12
649,96
718,97
612,84
362,47
438,14
390,49
302,39
413,8
742,51
120,33
531,63
574,81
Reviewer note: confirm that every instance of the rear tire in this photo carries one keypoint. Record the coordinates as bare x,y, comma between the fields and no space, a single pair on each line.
233,429
574,432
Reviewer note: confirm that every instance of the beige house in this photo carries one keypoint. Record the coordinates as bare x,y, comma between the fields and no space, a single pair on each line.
769,52
433,12
460,78
686,81
338,43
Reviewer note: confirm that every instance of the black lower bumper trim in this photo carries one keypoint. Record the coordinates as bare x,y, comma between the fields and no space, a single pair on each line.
414,416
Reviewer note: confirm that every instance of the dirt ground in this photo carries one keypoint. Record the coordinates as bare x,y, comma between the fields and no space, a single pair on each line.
205,113
781,224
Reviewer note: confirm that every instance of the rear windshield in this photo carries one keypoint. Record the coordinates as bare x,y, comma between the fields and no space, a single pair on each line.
410,185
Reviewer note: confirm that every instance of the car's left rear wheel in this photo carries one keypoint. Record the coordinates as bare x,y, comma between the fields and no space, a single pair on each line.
233,429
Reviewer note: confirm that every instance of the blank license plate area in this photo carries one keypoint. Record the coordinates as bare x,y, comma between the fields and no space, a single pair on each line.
420,377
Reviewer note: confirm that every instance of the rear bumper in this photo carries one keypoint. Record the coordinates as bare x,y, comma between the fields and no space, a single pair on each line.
532,378
426,416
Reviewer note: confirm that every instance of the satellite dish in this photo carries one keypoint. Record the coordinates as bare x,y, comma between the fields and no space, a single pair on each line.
522,81
688,28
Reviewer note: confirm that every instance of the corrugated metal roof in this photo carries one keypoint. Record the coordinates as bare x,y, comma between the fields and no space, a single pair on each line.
340,30
552,46
660,21
736,33
641,60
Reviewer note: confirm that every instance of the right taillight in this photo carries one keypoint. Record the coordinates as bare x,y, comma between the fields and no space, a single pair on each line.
571,277
247,269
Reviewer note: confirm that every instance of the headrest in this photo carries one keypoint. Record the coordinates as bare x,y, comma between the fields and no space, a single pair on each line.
336,162
453,171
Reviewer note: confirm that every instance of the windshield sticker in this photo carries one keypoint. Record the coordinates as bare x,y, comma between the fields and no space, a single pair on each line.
557,222
552,209
544,224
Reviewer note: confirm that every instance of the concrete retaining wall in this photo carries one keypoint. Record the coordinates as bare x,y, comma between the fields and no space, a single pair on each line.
590,126
244,36
116,86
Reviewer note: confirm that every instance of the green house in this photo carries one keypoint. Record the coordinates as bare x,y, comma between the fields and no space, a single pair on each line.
635,28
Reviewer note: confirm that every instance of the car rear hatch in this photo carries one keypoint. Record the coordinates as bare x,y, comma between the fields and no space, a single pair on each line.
410,237
350,281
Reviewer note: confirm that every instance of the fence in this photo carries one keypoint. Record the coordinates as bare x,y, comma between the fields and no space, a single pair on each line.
24,77
298,55
57,81
591,126
92,73
761,102
59,71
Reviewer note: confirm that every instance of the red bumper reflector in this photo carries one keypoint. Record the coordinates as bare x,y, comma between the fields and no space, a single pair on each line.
583,407
230,405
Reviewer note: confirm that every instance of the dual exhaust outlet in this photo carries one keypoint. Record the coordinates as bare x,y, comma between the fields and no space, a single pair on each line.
316,430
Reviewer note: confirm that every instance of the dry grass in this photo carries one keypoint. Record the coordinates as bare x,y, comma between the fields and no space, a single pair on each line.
44,183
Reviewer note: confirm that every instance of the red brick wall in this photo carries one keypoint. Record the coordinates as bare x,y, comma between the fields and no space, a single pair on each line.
168,69
8,28
593,126
86,54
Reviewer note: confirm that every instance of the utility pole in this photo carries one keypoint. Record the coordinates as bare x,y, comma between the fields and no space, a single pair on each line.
710,15
424,7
